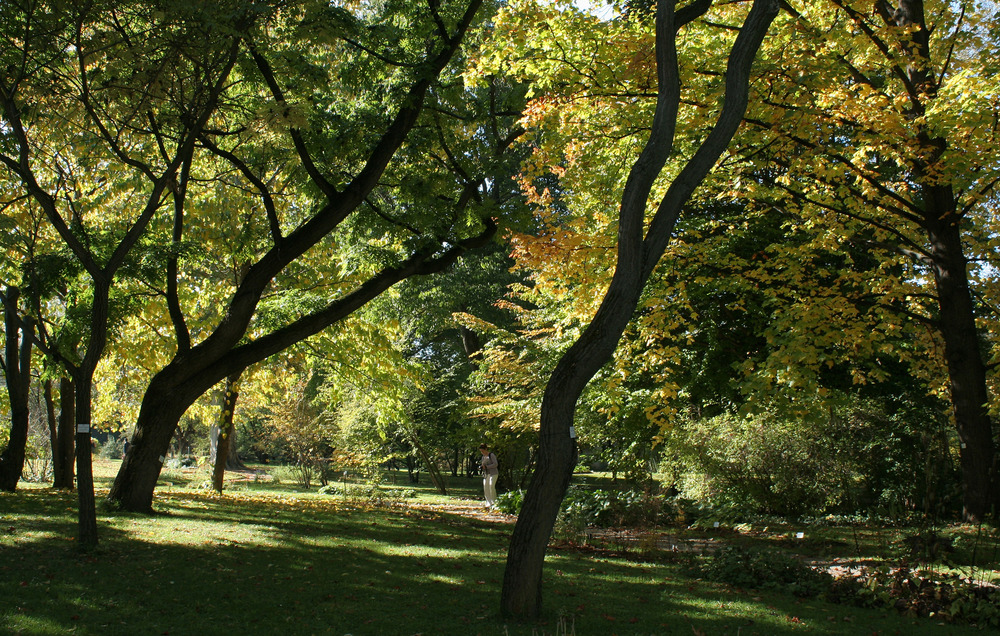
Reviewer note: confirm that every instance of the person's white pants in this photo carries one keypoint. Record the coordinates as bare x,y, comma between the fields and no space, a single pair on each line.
490,489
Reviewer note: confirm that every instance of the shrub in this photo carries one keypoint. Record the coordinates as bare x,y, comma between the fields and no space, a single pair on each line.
368,493
863,456
944,596
584,507
613,508
765,570
510,503
299,474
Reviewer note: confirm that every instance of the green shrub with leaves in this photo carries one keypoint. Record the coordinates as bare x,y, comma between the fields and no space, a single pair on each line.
616,508
510,502
947,597
859,457
765,570
585,507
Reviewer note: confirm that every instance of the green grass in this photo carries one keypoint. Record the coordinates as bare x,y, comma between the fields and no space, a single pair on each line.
273,561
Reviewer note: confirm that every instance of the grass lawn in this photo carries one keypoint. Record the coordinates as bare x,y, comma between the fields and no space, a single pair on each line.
265,559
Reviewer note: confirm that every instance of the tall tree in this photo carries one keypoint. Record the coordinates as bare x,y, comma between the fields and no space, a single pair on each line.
639,248
101,104
224,448
890,125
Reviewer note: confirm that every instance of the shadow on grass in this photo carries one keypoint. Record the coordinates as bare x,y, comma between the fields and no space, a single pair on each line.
283,566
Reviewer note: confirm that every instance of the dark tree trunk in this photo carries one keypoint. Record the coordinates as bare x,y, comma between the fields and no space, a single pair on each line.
966,371
161,409
521,596
191,373
412,470
87,513
471,342
64,451
942,221
17,371
226,426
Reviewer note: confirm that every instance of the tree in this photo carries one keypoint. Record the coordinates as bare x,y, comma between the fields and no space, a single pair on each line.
95,131
639,248
340,154
902,143
442,338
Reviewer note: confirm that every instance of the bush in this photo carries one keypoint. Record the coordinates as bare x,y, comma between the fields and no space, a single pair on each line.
368,494
510,503
583,507
297,474
615,508
944,596
864,456
111,448
765,570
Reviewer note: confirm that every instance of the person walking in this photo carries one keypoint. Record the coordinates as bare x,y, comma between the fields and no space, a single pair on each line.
489,464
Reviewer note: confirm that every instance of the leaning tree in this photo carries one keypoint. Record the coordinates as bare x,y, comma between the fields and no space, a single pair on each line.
641,241
359,158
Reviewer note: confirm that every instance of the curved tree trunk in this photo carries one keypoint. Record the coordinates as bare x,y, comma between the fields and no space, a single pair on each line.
162,407
196,369
521,596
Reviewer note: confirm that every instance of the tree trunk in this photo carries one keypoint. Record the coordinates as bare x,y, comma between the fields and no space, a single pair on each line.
432,468
521,595
161,409
18,375
87,513
226,426
52,423
942,221
64,452
966,371
225,351
176,386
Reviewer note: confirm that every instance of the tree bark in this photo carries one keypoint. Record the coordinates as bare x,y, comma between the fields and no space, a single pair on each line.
87,512
966,372
933,210
83,379
521,595
226,426
64,452
17,372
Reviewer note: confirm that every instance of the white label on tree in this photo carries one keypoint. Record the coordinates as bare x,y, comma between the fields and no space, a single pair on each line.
162,459
83,428
572,432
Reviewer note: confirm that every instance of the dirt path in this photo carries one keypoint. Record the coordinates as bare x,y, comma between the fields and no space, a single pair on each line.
469,508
